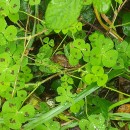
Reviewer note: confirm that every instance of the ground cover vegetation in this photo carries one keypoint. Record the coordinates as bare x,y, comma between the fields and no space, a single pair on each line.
64,64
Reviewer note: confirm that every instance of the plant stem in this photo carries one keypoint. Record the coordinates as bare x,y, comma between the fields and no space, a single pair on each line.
111,31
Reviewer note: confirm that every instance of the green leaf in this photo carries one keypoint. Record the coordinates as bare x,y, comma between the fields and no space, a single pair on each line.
103,104
14,6
83,124
73,60
12,105
119,1
79,43
7,94
109,58
76,107
52,125
79,26
2,40
61,14
86,54
41,127
107,44
34,2
128,51
3,23
87,2
95,56
12,72
5,60
102,80
14,17
27,111
76,53
94,36
121,47
97,70
10,33
45,52
22,94
12,120
4,9
4,85
102,6
65,94
87,13
97,121
119,64
90,78
125,20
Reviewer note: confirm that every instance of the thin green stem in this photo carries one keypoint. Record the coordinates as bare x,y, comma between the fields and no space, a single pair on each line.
31,16
117,91
124,24
34,28
59,45
38,84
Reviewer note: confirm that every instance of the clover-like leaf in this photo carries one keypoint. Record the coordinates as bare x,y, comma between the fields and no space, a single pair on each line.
77,106
27,111
86,55
5,60
3,9
107,44
79,43
73,60
119,64
26,69
12,120
90,78
97,70
22,94
83,124
96,121
51,43
52,125
4,85
95,56
76,53
14,6
14,17
46,51
3,23
12,73
2,40
102,80
10,33
122,46
109,58
7,94
65,95
11,105
62,14
79,26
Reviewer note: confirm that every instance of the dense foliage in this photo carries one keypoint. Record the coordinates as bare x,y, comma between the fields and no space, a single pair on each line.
63,63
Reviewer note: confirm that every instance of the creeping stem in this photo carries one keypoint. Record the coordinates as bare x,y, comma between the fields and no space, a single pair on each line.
111,31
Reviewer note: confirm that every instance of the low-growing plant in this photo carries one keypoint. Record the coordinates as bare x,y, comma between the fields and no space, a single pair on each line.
55,63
